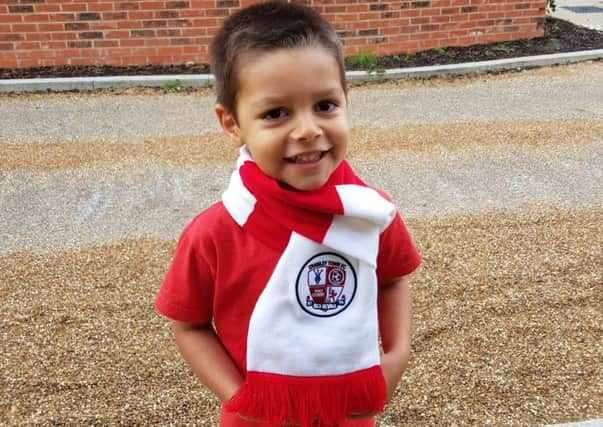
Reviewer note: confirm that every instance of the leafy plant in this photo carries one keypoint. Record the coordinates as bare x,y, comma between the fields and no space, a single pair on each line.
408,56
500,48
369,61
172,86
440,50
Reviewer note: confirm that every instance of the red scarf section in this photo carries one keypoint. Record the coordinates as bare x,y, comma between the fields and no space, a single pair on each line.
279,210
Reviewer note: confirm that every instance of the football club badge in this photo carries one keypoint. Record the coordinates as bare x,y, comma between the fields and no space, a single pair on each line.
326,285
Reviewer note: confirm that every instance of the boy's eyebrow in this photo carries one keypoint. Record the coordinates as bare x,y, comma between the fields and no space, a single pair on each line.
278,99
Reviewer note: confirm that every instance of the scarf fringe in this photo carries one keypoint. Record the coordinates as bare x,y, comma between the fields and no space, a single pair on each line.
276,399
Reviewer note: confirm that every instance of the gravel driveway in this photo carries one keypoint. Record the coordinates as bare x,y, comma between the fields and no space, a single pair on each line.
499,178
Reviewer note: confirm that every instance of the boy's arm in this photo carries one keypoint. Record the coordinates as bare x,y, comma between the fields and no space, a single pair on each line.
395,326
204,353
394,305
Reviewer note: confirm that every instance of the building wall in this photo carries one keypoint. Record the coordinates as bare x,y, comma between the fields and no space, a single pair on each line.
36,33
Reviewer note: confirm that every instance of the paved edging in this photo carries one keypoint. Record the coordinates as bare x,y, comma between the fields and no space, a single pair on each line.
480,67
206,80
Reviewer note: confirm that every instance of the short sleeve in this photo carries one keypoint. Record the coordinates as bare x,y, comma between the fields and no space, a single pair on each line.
186,293
398,255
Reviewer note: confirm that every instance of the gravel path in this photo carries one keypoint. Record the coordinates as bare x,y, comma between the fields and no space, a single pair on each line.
498,177
575,92
96,205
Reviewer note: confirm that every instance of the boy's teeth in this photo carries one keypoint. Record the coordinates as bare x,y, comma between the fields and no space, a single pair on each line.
307,158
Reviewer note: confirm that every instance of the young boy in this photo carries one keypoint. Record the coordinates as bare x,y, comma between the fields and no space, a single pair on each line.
278,293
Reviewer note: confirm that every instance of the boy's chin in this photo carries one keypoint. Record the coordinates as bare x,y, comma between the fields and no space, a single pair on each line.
306,186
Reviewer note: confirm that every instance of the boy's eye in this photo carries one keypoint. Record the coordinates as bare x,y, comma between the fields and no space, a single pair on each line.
274,114
325,106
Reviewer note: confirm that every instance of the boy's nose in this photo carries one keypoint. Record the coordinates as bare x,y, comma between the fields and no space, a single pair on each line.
306,128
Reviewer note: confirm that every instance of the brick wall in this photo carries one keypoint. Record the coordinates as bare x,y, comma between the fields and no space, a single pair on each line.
36,33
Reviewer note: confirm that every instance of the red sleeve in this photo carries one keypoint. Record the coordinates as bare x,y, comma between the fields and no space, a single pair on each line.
398,255
186,294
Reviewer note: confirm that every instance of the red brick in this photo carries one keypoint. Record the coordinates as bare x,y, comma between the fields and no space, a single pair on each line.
129,24
390,31
411,13
23,28
205,4
151,5
166,14
21,9
429,44
114,16
26,45
62,17
100,7
127,6
431,12
192,13
53,8
133,60
195,49
35,18
357,7
439,19
63,36
181,23
39,36
420,36
117,34
131,42
156,42
205,22
136,15
366,16
76,26
11,37
104,25
54,45
10,18
171,32
409,29
28,63
179,4
217,12
50,27
417,21
193,32
73,7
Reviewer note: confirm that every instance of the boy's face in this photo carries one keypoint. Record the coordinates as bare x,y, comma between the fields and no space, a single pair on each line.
292,115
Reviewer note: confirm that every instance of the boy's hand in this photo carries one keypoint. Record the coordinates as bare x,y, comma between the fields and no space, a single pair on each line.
249,419
363,416
393,366
256,421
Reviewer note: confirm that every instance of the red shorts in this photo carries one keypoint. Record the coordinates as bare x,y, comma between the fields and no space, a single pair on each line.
229,419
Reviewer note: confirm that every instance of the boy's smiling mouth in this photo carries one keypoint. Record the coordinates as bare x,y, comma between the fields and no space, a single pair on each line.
309,157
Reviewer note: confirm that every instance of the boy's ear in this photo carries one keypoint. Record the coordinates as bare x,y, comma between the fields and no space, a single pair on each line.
229,124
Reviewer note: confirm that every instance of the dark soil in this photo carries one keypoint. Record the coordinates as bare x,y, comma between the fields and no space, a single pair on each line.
559,36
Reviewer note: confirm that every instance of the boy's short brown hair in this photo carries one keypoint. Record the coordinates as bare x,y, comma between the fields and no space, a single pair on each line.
265,27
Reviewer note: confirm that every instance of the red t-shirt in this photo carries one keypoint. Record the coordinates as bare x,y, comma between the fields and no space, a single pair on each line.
218,273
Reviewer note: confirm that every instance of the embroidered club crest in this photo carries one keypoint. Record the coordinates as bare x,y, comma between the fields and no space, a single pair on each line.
326,285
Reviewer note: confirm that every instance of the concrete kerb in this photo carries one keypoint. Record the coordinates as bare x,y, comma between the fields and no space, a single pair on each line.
206,80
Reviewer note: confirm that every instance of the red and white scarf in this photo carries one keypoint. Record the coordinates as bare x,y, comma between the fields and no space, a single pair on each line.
312,347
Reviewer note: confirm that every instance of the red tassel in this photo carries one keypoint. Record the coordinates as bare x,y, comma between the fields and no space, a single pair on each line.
309,401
